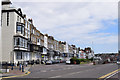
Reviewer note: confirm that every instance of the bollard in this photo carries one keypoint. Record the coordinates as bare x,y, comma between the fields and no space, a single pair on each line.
18,64
6,67
22,68
26,64
12,67
94,63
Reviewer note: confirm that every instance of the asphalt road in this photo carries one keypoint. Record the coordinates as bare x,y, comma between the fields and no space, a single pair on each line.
71,71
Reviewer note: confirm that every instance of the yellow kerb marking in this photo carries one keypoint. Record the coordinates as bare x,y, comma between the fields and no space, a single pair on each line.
108,74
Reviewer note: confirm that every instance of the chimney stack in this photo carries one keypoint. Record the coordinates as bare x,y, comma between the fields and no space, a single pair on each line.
6,4
30,20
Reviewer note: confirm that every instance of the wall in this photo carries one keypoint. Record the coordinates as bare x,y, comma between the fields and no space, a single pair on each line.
7,35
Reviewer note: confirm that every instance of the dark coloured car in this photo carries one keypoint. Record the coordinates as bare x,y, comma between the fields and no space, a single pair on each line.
37,61
53,62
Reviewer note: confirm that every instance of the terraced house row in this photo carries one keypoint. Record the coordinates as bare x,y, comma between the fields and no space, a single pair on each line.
21,41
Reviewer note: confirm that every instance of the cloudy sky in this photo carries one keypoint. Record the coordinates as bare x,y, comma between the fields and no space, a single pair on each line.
84,24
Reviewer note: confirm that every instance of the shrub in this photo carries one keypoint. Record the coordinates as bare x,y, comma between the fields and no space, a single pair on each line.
72,60
91,59
78,60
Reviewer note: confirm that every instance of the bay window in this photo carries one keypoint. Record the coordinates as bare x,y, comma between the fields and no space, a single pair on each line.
19,29
16,41
25,43
23,29
19,55
20,42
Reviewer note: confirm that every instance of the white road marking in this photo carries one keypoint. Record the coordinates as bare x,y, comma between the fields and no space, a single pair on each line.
52,70
68,68
69,74
44,71
72,73
112,75
55,77
48,69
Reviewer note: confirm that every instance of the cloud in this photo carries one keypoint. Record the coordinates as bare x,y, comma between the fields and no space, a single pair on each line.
66,1
75,22
50,15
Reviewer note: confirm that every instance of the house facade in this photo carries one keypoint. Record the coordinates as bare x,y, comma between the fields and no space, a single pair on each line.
15,34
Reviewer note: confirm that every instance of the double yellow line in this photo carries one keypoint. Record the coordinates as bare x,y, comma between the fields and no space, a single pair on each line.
102,77
17,75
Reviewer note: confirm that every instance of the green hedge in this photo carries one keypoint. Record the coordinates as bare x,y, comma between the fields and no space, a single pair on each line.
91,59
72,60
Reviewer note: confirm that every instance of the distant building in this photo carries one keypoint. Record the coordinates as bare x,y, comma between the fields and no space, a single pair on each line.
82,54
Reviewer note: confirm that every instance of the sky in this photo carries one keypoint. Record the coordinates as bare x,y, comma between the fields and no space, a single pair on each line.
80,22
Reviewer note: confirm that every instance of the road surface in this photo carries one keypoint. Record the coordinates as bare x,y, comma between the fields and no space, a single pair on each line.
88,71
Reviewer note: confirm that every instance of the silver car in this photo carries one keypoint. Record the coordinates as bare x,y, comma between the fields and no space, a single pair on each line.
49,62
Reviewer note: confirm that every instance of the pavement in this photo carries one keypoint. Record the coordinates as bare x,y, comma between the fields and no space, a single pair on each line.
15,72
63,71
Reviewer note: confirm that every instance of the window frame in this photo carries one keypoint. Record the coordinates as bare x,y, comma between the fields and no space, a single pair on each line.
19,55
22,28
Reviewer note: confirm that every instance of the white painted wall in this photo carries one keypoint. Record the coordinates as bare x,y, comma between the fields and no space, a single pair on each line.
0,46
44,51
7,35
46,41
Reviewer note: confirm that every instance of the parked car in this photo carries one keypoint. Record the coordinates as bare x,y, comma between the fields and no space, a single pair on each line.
37,61
62,61
114,61
57,61
43,62
49,62
54,62
68,62
29,62
98,60
118,62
